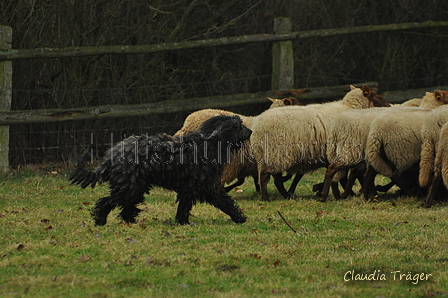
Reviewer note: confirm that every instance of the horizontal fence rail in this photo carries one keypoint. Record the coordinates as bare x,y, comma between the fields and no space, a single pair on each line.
169,106
306,96
17,54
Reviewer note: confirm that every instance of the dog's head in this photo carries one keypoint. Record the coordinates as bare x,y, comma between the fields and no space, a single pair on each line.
225,128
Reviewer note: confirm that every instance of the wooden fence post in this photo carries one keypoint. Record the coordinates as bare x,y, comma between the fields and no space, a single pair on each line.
5,95
282,57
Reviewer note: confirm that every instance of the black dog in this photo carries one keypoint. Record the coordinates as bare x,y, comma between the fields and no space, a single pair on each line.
191,165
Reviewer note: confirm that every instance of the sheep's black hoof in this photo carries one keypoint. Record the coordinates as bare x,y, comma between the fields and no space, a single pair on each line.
426,205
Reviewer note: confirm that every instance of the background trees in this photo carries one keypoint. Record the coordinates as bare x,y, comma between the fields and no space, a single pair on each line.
397,60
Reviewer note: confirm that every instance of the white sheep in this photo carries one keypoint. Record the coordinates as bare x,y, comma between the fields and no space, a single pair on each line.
347,144
394,143
439,182
430,137
293,139
346,147
241,163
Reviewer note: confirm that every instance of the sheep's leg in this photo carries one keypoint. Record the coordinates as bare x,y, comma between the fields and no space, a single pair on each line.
329,174
335,190
264,180
278,181
238,182
369,183
286,177
257,185
355,173
385,188
294,183
317,188
407,190
434,189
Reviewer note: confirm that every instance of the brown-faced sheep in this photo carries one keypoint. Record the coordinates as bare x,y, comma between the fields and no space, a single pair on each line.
241,162
394,143
293,139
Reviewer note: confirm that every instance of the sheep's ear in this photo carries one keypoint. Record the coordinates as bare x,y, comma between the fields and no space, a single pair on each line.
352,87
295,101
366,90
213,134
287,101
441,96
273,99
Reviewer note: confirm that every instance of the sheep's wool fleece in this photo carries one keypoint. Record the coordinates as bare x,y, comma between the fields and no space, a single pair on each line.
397,133
294,138
441,160
430,137
348,136
194,121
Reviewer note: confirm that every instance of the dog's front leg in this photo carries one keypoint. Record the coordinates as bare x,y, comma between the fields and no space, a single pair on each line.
226,204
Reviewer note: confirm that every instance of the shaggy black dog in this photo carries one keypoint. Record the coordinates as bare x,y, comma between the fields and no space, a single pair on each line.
191,165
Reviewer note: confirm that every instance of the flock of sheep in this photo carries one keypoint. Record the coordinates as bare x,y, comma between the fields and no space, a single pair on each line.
357,137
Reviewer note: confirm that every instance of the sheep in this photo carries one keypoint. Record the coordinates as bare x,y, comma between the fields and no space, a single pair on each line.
241,164
394,143
194,121
293,139
347,143
440,176
430,136
346,147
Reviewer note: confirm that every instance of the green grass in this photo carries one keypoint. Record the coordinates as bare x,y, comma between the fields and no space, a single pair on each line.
49,246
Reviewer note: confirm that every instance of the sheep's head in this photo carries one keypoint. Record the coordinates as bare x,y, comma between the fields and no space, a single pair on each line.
374,97
441,96
433,100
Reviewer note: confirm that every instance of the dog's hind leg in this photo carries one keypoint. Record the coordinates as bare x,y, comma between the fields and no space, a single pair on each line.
183,209
225,203
102,208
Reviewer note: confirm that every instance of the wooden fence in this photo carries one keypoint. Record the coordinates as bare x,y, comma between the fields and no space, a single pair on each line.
282,76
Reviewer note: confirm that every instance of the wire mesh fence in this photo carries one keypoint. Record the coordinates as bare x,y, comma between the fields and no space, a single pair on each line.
61,142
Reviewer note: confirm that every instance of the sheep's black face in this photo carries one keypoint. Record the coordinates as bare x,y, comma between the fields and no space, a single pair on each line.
225,128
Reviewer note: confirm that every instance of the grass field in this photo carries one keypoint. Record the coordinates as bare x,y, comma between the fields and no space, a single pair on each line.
50,247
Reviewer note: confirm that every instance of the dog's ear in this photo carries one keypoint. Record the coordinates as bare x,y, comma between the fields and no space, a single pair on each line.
213,134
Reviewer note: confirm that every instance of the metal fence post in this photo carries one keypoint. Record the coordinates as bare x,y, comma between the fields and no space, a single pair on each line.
5,95
282,57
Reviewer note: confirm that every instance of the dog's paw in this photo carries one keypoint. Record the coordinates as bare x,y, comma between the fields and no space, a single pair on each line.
241,219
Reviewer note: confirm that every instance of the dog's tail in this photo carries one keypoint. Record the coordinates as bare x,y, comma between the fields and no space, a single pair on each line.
82,176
